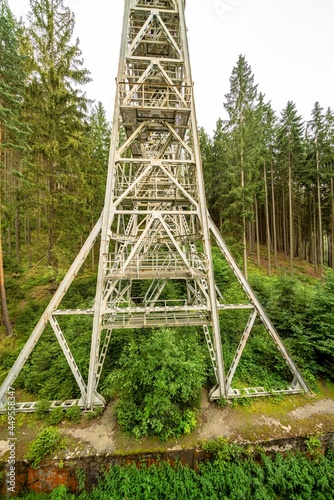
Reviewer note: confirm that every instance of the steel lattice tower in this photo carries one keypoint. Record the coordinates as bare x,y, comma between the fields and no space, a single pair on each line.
155,225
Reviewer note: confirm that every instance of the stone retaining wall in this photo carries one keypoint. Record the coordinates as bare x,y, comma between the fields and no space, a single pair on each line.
52,473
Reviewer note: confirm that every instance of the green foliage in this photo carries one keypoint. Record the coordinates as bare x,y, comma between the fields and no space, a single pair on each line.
45,443
60,493
98,411
42,408
321,324
57,109
314,445
233,474
81,479
74,414
94,413
47,373
159,383
90,414
221,449
56,415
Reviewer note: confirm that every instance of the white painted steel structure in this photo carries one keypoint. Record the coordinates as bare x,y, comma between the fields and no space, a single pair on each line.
155,226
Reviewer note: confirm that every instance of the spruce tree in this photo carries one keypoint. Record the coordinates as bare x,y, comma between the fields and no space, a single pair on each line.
290,154
58,109
329,161
214,158
316,128
240,105
12,131
265,194
97,165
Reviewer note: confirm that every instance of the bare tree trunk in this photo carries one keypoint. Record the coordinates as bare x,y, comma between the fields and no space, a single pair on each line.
285,240
321,240
291,218
332,221
315,243
300,240
257,234
244,236
52,260
5,315
268,238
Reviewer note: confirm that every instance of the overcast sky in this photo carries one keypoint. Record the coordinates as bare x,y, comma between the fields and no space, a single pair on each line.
288,43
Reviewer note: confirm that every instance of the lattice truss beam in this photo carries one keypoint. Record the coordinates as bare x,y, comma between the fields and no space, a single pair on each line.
155,227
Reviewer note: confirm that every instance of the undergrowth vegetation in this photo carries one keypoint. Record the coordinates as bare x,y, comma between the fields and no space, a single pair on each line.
233,474
157,374
159,383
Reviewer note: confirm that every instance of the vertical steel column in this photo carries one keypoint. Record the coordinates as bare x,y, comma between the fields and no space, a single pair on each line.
204,215
107,217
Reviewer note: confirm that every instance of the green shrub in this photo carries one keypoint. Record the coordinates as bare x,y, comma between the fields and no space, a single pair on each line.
313,445
59,493
74,414
56,415
42,408
45,443
90,414
159,384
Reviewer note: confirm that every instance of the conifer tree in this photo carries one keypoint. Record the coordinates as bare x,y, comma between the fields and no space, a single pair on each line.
205,143
266,137
329,161
219,172
12,131
58,110
290,153
316,127
97,166
240,104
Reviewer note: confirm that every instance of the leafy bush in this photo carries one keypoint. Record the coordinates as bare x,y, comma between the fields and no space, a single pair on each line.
56,415
42,408
45,443
159,383
74,414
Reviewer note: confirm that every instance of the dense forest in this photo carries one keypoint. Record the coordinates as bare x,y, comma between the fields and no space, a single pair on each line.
269,178
270,188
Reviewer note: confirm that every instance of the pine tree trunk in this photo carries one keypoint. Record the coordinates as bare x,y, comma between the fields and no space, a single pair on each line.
9,241
268,238
310,238
251,237
285,241
300,240
257,234
332,221
244,236
52,260
17,232
321,243
273,198
291,218
5,315
4,309
315,243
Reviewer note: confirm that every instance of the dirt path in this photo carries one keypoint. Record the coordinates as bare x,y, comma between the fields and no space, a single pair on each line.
258,422
262,420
